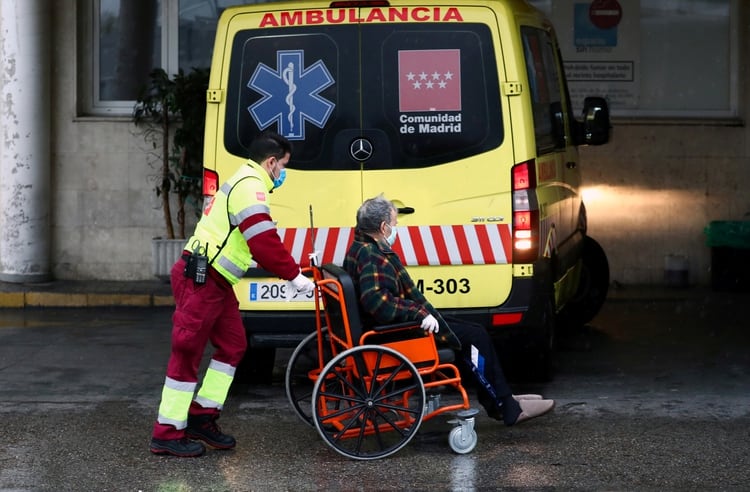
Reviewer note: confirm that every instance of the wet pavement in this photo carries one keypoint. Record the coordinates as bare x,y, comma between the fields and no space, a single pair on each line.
653,395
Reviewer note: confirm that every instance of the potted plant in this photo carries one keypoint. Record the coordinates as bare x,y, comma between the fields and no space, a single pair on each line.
172,112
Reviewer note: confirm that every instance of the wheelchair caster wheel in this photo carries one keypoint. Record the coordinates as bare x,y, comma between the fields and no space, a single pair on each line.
462,440
463,437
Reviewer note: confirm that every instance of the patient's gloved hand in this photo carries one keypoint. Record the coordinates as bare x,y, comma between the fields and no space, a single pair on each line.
430,324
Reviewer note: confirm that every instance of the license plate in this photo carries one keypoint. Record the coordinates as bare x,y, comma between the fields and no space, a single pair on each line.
274,292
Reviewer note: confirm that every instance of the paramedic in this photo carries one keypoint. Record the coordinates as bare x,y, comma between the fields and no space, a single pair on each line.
387,294
236,227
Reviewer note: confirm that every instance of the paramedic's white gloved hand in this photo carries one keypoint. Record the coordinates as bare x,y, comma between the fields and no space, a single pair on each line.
430,324
300,284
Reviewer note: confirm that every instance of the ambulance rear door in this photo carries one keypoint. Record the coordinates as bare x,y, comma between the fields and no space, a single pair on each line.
300,79
434,121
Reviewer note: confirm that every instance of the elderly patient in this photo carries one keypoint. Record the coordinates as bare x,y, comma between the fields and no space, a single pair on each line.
387,294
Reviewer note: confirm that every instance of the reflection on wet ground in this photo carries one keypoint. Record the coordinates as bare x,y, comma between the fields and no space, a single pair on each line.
652,395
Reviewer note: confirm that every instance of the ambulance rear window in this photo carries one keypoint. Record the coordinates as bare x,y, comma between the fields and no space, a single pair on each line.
379,96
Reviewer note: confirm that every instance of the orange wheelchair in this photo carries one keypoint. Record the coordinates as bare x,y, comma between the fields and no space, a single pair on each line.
368,391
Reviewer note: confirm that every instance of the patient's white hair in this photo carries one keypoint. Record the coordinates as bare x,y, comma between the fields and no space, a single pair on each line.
373,212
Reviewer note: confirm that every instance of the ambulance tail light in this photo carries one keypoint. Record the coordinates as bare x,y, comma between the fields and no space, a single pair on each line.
210,185
525,213
502,319
210,182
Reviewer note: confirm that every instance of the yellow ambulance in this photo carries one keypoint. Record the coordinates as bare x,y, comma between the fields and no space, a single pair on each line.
459,113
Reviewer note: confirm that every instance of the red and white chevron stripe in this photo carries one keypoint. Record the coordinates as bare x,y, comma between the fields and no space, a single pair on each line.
476,244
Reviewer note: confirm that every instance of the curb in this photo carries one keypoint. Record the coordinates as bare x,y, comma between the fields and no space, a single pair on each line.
20,300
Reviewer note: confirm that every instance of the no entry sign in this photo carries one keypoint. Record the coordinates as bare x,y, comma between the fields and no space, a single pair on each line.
605,14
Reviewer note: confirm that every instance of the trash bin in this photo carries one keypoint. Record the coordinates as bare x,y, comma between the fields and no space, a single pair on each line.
676,269
730,255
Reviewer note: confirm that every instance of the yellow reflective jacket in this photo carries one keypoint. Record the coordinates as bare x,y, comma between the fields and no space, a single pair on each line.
236,227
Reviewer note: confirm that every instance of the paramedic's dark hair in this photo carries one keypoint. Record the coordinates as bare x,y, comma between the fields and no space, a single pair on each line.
373,212
269,144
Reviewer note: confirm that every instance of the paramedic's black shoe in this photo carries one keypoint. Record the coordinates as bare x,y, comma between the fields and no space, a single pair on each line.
205,428
184,448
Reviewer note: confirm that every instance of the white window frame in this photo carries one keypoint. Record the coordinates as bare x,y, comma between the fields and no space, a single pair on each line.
90,102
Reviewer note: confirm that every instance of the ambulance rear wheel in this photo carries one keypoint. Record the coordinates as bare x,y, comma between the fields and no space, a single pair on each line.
592,288
256,367
541,358
529,355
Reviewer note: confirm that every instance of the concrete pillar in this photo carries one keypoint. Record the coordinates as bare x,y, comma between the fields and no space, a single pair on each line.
25,41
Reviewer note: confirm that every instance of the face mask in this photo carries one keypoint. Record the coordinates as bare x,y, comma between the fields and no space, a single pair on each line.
280,180
392,237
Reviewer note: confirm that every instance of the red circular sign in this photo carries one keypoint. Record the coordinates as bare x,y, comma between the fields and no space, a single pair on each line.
605,14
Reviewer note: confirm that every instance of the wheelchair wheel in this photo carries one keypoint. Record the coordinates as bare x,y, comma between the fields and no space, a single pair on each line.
299,385
368,402
461,440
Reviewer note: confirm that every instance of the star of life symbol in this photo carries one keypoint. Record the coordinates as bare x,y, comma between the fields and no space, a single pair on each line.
291,94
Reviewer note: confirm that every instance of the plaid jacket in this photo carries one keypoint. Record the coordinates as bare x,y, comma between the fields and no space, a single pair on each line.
387,294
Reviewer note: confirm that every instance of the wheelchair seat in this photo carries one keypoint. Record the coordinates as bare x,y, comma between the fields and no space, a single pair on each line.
381,334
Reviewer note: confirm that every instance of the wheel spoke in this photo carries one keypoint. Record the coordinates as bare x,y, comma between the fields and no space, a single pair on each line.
350,423
398,408
390,378
390,422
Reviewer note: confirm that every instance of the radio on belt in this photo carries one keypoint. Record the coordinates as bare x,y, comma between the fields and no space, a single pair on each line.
197,265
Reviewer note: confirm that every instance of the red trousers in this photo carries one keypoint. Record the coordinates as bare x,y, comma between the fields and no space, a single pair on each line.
203,313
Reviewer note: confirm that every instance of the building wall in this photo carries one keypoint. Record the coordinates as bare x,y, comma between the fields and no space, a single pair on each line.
652,191
649,193
104,209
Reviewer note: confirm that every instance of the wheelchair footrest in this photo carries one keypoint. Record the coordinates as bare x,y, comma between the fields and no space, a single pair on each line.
467,414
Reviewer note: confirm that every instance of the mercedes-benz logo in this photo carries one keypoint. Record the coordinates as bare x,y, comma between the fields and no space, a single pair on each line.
361,149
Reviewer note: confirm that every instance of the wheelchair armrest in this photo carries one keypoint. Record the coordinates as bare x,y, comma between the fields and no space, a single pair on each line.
397,326
383,334
445,355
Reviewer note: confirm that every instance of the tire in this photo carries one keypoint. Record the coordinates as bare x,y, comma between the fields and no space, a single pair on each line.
540,358
544,369
368,402
256,366
462,442
298,382
592,287
529,355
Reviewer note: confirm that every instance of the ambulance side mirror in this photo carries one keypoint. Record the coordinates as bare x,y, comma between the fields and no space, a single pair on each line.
558,124
595,127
